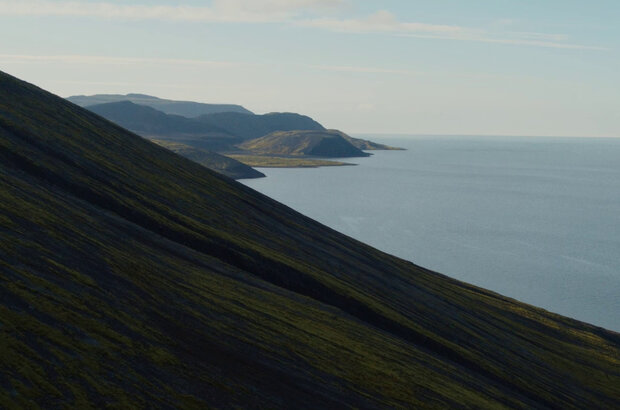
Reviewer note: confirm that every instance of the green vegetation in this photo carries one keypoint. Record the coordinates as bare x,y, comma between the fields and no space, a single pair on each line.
266,161
135,278
303,143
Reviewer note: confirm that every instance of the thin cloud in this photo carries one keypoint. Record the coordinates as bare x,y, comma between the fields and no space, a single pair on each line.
222,11
489,38
387,23
379,22
359,69
111,60
537,43
541,36
116,61
296,12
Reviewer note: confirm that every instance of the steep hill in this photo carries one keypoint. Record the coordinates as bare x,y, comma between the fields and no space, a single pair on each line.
254,126
185,108
149,122
133,277
313,143
219,163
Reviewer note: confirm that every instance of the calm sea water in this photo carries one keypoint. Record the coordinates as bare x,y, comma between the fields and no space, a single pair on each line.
537,219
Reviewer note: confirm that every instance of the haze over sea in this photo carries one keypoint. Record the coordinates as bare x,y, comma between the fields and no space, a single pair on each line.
537,219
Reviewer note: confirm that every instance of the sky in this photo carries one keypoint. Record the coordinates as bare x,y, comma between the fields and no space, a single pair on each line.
466,67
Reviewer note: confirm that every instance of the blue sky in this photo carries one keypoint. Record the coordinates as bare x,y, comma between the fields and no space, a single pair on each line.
499,67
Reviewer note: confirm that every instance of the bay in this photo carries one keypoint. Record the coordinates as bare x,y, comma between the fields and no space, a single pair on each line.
536,219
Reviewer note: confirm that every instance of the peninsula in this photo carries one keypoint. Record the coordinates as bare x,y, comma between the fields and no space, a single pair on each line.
268,140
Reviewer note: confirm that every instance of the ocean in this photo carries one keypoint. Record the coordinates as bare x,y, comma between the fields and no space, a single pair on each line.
536,219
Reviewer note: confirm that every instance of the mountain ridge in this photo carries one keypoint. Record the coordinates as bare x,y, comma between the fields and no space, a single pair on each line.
185,108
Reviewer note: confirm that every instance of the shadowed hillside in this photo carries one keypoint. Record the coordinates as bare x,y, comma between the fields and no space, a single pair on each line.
220,163
312,143
132,277
149,122
188,109
254,126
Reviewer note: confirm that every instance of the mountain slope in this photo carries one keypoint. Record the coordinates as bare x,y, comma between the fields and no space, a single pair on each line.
219,163
184,108
149,122
312,143
254,126
132,277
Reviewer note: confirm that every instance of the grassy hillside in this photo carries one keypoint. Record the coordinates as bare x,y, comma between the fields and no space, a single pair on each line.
272,161
132,277
224,165
249,127
303,143
188,109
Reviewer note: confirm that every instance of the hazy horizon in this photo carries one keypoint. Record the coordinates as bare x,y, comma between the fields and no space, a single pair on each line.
425,68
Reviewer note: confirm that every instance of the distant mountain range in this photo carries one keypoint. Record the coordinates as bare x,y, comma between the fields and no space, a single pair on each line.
151,123
185,108
132,277
244,135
